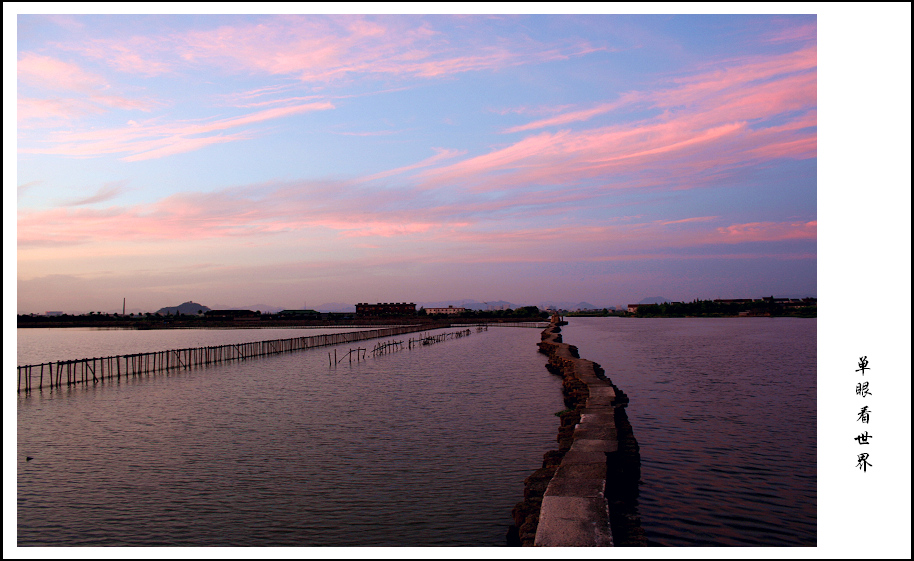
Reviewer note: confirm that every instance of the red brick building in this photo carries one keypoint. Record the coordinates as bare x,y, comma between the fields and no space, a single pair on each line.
385,309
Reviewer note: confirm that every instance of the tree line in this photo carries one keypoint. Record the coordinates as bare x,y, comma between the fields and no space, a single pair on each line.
710,308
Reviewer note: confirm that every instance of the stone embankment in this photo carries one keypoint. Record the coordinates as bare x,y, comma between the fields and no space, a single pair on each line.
586,492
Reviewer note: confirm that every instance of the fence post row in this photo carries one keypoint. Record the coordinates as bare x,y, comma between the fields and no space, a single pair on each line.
138,364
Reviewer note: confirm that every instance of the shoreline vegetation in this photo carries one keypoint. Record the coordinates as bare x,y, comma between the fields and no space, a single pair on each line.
766,307
254,319
763,307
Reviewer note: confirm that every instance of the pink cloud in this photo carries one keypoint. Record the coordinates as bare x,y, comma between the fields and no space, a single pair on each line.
120,102
32,109
264,115
107,192
76,92
708,123
766,232
654,240
442,154
132,56
155,140
51,73
345,216
282,101
310,49
582,115
377,228
252,212
741,73
793,34
25,187
567,156
773,81
693,257
800,148
180,145
625,242
368,133
327,49
687,220
525,110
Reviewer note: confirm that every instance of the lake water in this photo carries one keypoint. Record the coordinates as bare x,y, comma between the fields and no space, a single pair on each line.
422,447
724,411
428,446
36,345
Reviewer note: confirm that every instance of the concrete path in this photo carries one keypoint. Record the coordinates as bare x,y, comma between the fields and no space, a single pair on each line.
574,510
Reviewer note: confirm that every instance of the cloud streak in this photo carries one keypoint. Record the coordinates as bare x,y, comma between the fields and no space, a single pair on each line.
322,49
442,154
154,140
754,110
107,192
310,50
327,50
571,117
54,74
345,212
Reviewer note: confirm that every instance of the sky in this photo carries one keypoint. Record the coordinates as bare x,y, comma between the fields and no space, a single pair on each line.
294,160
266,159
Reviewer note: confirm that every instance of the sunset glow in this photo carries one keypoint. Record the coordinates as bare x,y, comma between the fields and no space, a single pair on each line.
278,160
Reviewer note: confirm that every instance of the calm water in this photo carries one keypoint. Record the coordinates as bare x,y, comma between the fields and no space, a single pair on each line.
35,345
725,413
428,446
421,447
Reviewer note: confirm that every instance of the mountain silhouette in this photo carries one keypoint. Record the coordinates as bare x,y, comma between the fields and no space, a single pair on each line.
187,308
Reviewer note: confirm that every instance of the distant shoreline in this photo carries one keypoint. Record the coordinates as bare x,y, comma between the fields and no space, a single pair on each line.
192,322
585,315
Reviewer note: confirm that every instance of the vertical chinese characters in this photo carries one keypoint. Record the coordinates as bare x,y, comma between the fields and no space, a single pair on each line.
863,416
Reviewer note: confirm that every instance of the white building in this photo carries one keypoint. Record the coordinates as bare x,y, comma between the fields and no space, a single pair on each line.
448,310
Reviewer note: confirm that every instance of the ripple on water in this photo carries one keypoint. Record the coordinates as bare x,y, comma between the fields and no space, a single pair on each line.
709,402
422,447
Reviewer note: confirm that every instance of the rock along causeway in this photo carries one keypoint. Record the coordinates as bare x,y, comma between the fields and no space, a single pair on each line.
586,492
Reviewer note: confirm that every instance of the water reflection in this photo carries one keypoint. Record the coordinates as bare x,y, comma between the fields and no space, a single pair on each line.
724,411
421,447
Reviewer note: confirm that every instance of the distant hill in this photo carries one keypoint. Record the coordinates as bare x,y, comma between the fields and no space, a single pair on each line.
336,307
262,308
468,304
189,308
655,300
571,306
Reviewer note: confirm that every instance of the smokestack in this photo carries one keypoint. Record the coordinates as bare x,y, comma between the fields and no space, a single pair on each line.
124,310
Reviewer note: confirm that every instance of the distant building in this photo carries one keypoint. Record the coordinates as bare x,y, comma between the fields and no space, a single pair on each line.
308,314
449,310
632,308
385,309
232,314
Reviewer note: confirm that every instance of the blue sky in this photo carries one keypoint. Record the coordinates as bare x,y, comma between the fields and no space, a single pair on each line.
284,159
